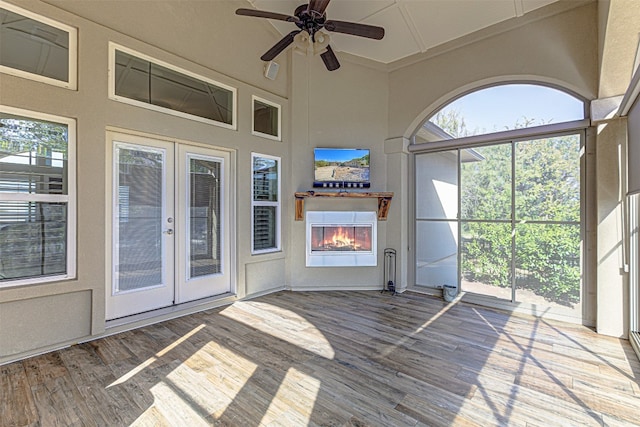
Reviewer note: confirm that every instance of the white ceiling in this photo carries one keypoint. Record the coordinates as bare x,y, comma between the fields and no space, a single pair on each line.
411,26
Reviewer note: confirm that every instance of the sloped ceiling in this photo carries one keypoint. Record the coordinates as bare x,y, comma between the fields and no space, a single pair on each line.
412,26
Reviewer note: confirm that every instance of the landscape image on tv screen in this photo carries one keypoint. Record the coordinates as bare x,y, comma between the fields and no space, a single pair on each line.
345,165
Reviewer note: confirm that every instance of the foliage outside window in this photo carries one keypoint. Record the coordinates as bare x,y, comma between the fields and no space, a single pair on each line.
537,183
37,48
506,216
265,204
266,118
545,198
146,82
37,197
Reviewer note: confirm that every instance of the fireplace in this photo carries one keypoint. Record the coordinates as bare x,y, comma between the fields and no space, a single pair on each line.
341,239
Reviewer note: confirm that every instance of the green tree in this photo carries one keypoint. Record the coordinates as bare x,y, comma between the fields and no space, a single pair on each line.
545,198
19,135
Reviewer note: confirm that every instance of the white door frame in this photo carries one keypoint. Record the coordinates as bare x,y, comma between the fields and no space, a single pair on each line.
178,262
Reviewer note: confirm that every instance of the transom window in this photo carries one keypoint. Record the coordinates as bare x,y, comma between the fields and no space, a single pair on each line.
37,48
146,82
37,197
266,118
505,107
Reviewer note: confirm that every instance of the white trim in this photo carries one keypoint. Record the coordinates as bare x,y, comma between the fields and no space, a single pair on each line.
278,107
112,89
72,83
70,198
29,197
499,137
203,286
277,204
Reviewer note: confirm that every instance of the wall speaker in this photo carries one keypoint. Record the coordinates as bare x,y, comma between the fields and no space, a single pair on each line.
271,70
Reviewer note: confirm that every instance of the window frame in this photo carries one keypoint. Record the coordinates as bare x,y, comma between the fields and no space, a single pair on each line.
72,82
277,204
278,107
113,47
70,198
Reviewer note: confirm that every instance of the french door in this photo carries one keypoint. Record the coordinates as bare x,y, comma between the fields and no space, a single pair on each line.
170,234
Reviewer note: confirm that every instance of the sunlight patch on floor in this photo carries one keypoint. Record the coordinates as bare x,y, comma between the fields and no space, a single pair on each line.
420,329
158,355
175,410
200,388
281,323
290,404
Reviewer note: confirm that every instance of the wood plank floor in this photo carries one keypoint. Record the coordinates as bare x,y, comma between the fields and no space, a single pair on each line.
332,359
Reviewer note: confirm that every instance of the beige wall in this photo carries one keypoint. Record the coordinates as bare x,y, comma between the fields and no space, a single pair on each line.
559,50
612,246
356,106
343,108
212,28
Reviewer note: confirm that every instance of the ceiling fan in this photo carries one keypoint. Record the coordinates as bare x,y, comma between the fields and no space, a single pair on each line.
310,19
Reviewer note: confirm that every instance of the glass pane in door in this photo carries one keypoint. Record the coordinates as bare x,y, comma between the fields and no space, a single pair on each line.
139,218
205,240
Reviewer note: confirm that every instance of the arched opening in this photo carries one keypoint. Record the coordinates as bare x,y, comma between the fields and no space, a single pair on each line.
501,108
499,206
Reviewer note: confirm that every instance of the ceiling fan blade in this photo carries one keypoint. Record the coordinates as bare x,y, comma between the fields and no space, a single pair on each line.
318,6
265,14
280,46
355,29
330,60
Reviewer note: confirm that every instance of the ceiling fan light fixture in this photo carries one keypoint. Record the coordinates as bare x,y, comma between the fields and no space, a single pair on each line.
302,41
321,42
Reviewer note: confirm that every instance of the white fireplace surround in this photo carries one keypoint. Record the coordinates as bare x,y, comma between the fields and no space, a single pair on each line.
329,258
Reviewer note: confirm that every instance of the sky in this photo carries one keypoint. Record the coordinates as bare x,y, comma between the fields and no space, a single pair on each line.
501,107
340,155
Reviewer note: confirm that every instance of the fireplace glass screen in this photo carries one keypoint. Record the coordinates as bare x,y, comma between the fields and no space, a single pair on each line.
351,238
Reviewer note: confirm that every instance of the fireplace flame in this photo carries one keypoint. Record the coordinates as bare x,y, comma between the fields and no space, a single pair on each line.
341,238
338,238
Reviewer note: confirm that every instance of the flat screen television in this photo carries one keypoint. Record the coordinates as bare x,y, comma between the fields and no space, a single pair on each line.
341,168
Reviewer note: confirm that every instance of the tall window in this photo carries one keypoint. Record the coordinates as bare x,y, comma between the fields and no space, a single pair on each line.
146,82
500,215
37,48
37,197
265,204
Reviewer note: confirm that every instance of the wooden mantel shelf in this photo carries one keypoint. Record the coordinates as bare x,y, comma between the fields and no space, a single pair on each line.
384,200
